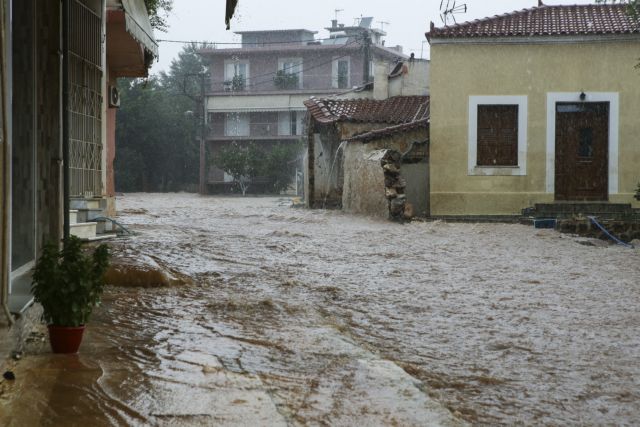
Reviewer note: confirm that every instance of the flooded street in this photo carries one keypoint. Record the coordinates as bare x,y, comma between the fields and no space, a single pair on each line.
283,316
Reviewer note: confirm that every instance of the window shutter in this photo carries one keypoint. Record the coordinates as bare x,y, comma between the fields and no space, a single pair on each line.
497,135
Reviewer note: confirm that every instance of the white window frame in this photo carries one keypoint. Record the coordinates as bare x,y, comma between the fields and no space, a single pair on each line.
473,168
300,67
334,71
228,77
613,98
239,128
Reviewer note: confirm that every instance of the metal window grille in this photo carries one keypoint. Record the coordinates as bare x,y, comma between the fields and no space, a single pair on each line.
85,83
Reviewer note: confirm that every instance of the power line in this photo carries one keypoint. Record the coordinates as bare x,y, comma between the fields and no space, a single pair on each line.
248,43
292,66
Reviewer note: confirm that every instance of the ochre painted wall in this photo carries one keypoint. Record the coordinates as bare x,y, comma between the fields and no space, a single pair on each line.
459,71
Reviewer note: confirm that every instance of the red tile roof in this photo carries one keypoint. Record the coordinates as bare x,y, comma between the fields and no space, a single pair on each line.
391,130
395,110
559,20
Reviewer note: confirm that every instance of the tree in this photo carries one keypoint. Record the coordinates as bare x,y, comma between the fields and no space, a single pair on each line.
156,141
242,162
246,163
158,11
279,165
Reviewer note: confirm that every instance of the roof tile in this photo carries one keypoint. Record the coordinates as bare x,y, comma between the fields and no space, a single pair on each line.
557,20
395,110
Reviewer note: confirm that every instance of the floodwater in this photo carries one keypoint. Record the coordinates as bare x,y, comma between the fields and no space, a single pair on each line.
283,316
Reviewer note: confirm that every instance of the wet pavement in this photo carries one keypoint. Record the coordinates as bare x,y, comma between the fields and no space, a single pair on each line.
279,316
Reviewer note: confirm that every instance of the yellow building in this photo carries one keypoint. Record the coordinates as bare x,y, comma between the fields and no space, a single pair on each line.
536,106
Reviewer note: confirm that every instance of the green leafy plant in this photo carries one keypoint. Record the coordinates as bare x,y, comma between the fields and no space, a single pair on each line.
241,161
284,80
248,162
69,283
637,195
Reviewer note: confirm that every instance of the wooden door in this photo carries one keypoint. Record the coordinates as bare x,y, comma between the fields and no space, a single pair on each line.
582,151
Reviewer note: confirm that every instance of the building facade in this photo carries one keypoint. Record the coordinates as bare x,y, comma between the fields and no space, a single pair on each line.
536,106
256,91
54,104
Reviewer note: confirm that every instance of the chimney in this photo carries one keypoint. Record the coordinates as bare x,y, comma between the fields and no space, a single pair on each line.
334,23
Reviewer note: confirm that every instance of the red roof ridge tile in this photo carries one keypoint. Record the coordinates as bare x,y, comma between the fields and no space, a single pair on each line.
546,20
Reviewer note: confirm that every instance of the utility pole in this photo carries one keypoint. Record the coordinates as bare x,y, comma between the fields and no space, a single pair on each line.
202,186
367,56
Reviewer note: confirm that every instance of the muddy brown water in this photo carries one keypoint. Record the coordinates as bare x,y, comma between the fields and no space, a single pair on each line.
298,315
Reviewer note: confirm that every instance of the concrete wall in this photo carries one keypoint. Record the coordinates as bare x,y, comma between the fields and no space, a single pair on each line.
414,81
363,191
417,177
317,67
363,185
327,170
459,71
5,211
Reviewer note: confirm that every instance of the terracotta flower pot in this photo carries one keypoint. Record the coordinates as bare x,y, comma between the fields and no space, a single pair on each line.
65,339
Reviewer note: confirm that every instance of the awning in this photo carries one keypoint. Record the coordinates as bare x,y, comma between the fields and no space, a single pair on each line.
138,24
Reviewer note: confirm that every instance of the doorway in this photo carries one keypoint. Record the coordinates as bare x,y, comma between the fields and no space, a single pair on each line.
582,151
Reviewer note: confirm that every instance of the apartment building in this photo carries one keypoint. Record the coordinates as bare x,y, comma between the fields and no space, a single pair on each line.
256,91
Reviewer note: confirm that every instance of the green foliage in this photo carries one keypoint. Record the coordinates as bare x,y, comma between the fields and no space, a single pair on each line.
241,161
249,162
158,11
284,80
637,195
237,83
279,165
69,283
157,146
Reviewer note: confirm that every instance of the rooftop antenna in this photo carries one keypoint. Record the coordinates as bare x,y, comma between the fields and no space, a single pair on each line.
382,24
450,9
338,11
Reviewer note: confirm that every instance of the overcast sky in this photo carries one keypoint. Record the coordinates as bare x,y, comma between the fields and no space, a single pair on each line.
203,20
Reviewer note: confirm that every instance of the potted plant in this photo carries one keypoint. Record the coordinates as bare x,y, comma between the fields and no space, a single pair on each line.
284,80
68,284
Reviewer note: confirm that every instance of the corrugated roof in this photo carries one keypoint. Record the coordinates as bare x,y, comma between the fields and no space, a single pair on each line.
556,20
395,110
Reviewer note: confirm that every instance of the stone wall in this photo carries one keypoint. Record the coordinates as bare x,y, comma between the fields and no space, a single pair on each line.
364,186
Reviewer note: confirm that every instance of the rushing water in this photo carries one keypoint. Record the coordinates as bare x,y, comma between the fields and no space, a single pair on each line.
316,317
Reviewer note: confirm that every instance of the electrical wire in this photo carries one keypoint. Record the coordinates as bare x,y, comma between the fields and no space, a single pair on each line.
271,73
249,43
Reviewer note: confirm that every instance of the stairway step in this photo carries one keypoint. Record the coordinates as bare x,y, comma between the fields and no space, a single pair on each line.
84,230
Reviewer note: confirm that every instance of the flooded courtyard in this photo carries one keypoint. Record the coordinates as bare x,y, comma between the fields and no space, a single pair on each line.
281,316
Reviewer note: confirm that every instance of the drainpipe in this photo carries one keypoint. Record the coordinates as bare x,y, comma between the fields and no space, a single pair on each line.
6,167
66,118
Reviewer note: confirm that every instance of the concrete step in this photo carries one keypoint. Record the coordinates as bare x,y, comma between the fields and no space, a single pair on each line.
95,203
104,226
86,215
84,230
609,211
